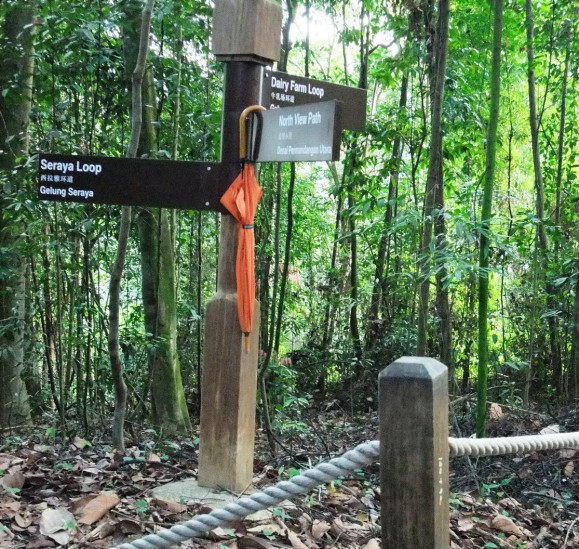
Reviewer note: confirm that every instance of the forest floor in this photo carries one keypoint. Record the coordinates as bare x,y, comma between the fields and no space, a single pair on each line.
81,494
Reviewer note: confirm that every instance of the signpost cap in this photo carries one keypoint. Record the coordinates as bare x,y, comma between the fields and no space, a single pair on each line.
247,30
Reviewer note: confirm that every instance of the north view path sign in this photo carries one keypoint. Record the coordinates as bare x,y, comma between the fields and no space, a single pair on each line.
303,122
305,133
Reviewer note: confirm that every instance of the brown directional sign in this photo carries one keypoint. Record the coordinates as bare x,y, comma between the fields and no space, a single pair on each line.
307,133
285,90
131,182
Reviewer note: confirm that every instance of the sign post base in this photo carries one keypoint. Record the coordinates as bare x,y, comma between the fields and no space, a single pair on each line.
228,394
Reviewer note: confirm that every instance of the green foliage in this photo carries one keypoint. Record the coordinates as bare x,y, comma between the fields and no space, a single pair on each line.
81,105
495,489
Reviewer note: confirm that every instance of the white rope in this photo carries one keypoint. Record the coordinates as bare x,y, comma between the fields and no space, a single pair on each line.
359,457
480,447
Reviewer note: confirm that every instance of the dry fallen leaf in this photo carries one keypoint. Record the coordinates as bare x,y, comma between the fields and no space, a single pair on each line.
55,523
465,524
495,411
267,529
98,507
550,430
13,483
372,544
23,522
9,508
295,541
506,525
80,443
251,542
264,515
319,529
568,453
171,506
569,468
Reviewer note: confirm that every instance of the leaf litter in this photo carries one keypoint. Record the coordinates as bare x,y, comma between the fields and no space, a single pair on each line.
80,494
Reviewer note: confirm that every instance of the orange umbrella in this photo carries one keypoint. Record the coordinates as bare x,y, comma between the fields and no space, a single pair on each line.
241,200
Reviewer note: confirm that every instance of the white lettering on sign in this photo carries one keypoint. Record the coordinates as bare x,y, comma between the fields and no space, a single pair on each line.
57,166
440,481
314,117
63,193
279,84
300,119
89,168
80,193
53,191
294,86
65,167
324,149
297,87
318,92
304,149
286,120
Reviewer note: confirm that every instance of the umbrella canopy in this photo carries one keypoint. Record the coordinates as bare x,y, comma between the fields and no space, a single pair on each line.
241,200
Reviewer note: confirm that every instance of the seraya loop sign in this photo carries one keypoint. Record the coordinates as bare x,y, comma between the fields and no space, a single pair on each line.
69,167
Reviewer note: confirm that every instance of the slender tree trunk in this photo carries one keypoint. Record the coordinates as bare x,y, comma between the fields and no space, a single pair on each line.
442,297
442,294
356,153
168,405
353,314
562,120
574,358
434,189
574,361
556,361
374,323
117,270
484,248
333,277
469,325
16,77
286,259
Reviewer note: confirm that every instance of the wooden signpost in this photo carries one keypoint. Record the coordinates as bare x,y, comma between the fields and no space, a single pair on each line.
303,122
414,454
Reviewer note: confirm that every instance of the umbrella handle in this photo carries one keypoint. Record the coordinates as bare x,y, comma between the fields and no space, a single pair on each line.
243,131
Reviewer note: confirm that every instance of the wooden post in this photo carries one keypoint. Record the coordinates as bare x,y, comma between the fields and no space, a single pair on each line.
246,35
414,454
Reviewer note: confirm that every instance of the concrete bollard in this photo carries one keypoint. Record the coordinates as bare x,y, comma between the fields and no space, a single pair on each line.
413,394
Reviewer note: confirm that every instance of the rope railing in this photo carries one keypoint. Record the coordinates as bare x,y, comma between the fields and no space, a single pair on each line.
484,447
361,456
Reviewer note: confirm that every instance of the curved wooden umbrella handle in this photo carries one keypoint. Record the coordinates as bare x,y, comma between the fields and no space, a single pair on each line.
242,128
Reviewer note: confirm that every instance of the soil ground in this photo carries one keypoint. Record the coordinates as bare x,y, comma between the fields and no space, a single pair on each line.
80,493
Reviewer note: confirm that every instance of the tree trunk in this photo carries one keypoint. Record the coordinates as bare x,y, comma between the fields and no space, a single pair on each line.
117,271
169,408
556,361
574,361
16,76
442,298
484,248
434,185
374,326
